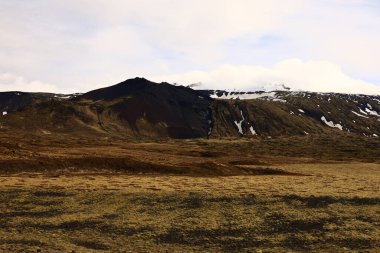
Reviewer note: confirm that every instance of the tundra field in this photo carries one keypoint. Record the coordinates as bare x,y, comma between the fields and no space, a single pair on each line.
298,194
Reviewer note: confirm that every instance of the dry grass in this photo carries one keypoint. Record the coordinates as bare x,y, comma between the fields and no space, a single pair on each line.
310,194
335,208
340,179
36,153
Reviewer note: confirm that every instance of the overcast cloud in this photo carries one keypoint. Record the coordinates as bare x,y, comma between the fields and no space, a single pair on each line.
75,46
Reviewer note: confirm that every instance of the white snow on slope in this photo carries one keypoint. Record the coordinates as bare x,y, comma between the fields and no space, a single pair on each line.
238,124
331,123
362,111
235,95
5,113
63,96
249,95
372,112
300,110
358,114
67,96
252,130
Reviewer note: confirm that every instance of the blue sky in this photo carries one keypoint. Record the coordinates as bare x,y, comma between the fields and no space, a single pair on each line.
69,46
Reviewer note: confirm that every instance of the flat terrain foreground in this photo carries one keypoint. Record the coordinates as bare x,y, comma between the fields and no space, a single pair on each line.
300,208
60,193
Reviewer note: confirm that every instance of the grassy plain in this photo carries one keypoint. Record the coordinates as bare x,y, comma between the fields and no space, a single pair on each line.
289,195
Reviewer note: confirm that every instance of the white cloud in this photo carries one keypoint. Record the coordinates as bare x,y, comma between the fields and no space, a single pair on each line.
346,32
80,45
70,42
318,76
10,82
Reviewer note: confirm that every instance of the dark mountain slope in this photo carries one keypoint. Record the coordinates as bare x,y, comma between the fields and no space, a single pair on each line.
139,108
14,100
153,109
125,88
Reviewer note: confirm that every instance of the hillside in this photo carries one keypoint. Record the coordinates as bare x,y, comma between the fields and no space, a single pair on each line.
139,108
279,113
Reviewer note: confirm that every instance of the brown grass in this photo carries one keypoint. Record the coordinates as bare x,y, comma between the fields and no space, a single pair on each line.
237,195
35,153
334,209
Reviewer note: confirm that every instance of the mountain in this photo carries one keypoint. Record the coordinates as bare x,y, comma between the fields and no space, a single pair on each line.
152,109
14,100
139,108
295,113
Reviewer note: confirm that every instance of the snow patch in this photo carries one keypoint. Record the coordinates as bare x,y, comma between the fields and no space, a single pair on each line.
238,124
331,123
279,100
372,112
67,96
358,114
5,113
272,96
362,111
300,110
253,132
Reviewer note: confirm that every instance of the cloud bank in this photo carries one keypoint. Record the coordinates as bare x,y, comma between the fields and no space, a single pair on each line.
10,82
317,76
80,45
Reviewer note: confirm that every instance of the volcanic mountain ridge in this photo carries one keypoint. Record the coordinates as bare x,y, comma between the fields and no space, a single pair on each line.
140,108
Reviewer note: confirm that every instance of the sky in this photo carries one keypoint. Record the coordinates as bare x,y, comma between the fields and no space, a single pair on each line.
79,45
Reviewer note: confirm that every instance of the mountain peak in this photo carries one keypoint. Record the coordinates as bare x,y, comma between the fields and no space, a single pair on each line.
136,79
121,89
